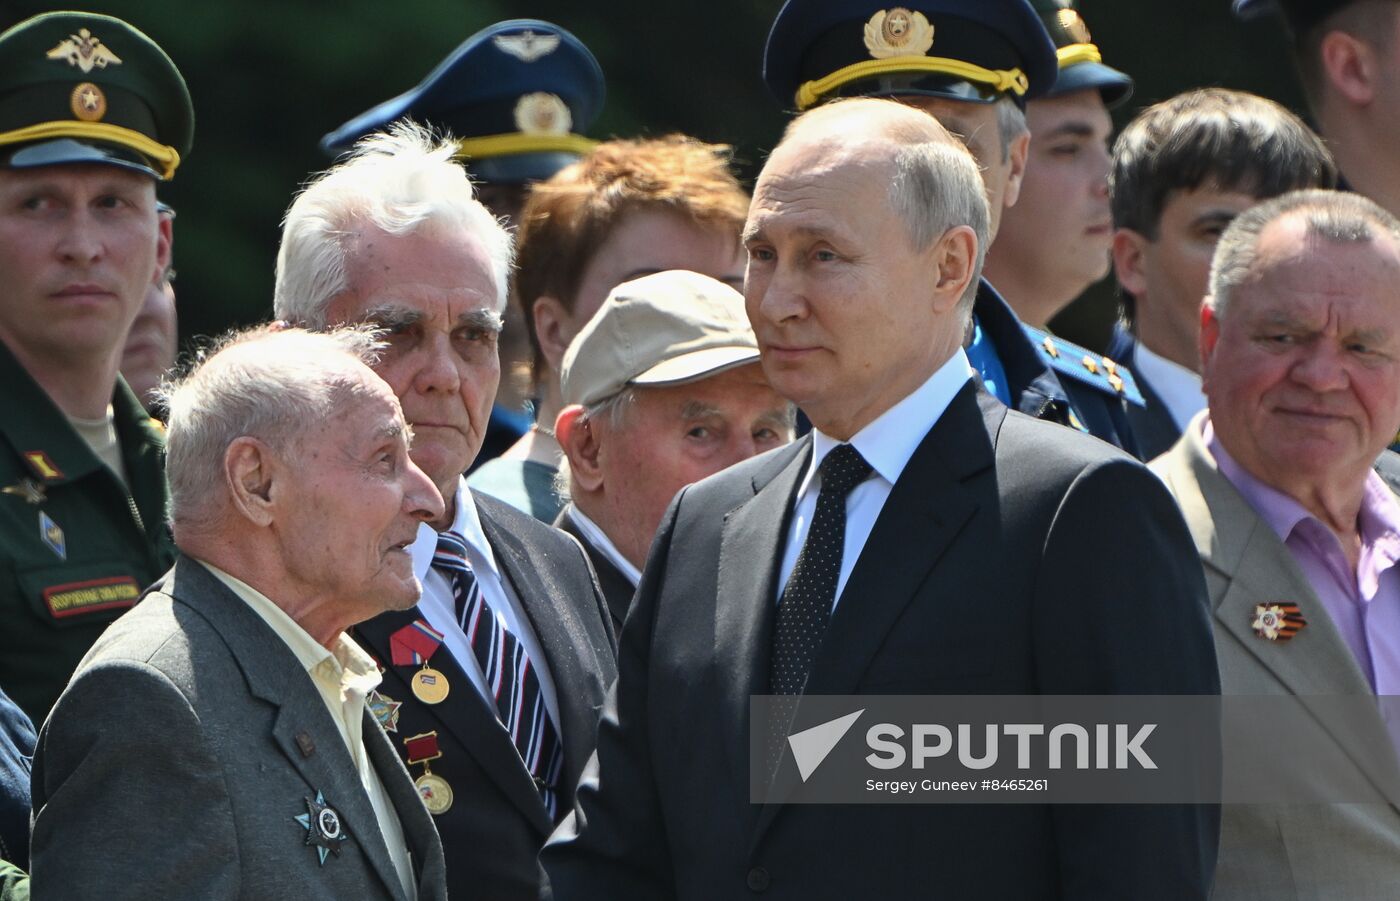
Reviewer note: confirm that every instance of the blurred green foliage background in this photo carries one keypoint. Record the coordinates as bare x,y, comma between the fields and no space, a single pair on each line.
269,77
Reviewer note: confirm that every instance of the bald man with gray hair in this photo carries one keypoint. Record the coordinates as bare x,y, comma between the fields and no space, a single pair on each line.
231,694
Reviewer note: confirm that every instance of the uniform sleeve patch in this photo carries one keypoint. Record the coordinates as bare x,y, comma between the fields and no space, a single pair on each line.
92,596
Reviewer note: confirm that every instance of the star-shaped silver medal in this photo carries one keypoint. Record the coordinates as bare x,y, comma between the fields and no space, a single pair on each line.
323,827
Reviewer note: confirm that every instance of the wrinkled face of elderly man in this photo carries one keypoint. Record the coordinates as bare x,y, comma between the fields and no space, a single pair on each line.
626,465
1302,368
434,292
289,468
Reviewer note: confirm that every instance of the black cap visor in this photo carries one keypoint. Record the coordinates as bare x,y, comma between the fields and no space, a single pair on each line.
922,84
69,152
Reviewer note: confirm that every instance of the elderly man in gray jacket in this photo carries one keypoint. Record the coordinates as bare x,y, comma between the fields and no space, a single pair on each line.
215,742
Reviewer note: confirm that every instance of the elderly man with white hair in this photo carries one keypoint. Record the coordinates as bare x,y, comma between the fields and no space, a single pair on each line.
215,743
493,683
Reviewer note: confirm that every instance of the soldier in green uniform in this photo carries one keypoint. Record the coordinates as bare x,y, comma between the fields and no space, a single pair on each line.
92,114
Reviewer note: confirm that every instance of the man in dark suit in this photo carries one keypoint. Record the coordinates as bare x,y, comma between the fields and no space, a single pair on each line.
900,512
215,743
494,683
1182,170
662,388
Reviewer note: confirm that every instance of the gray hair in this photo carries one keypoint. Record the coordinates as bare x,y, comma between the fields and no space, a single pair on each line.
396,181
1339,217
263,383
937,187
937,184
1011,124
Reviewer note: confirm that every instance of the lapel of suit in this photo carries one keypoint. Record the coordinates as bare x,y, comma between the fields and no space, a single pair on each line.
926,510
1236,543
751,551
418,829
617,588
566,645
303,729
465,715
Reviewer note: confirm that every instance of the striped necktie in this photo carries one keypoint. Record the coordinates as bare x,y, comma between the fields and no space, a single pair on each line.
510,677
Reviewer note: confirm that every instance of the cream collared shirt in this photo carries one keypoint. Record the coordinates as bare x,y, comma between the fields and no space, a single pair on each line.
344,676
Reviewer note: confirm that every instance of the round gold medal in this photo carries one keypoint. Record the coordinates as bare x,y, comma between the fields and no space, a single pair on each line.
430,686
435,792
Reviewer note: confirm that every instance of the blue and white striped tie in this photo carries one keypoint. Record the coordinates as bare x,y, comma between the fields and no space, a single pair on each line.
510,676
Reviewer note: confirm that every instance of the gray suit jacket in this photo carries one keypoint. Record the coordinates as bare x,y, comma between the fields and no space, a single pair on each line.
177,760
1273,852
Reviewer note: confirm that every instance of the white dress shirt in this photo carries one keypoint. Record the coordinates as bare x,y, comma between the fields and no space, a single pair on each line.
344,676
439,607
886,444
604,545
1179,387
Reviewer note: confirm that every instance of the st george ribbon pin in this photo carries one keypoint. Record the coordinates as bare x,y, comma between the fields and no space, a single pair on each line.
413,645
324,829
1277,622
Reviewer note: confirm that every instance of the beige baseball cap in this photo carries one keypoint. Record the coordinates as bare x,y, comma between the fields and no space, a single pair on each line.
664,329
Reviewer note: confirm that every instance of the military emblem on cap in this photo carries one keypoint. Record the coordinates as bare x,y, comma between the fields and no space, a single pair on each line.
527,46
88,102
85,51
898,32
1073,23
542,113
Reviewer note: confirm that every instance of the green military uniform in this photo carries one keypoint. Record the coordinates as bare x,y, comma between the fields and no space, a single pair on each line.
77,544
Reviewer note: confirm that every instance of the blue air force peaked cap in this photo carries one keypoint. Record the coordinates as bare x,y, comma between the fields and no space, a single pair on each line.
518,96
970,50
1081,64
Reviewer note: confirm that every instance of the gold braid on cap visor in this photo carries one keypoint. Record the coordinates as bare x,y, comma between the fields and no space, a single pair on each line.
520,142
1000,80
167,158
1078,53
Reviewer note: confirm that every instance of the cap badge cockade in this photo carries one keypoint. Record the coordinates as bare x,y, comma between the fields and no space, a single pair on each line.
85,51
898,32
1074,26
542,113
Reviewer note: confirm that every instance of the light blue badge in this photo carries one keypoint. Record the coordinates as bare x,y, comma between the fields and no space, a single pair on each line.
52,535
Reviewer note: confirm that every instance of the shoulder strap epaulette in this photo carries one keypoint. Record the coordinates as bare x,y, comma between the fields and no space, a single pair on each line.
1085,366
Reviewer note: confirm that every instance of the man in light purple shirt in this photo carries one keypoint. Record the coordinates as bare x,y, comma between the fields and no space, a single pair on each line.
1299,535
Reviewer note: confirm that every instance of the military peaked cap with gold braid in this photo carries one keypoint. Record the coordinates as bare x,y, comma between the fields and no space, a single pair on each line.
1081,63
971,50
517,95
80,87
